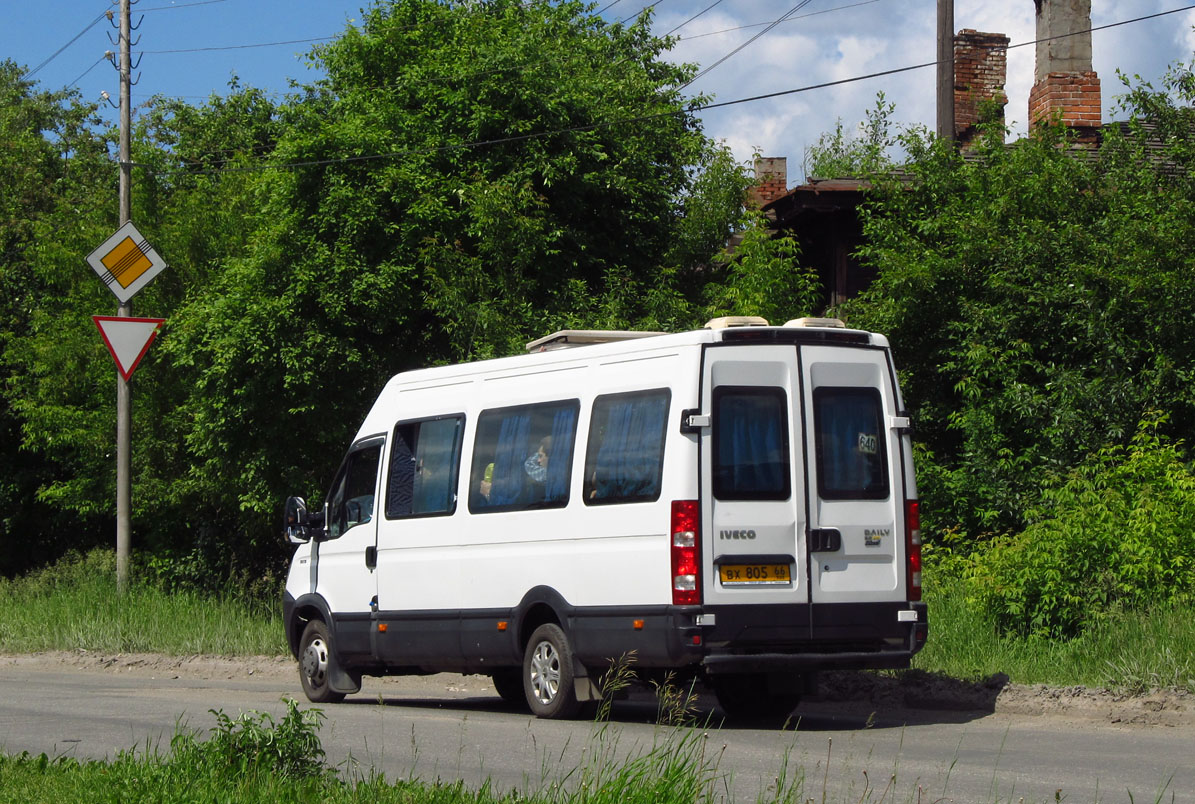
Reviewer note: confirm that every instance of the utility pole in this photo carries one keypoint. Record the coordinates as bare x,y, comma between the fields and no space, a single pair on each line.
946,69
124,413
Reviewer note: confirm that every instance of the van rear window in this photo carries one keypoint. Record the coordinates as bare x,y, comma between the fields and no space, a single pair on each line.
851,451
523,457
751,460
625,456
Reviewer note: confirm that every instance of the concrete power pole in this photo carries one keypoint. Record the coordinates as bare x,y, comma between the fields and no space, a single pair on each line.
946,69
124,416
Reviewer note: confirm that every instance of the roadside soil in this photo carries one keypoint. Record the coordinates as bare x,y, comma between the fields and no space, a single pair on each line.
914,693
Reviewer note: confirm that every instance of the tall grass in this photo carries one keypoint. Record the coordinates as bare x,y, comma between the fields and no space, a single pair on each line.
74,605
1130,651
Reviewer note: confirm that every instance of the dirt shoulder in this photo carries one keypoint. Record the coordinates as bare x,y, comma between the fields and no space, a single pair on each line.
911,692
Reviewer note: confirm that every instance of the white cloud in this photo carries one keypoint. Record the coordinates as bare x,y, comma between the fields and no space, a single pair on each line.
846,42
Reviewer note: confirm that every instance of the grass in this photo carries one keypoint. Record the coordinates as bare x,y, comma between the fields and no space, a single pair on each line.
1130,651
74,605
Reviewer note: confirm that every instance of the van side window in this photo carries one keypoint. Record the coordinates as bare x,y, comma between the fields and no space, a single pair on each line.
850,439
625,455
750,437
523,457
424,462
350,503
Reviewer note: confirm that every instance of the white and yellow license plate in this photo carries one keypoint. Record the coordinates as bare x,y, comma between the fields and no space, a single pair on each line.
752,574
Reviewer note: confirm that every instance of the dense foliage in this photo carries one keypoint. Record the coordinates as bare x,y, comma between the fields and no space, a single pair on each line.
464,178
1041,300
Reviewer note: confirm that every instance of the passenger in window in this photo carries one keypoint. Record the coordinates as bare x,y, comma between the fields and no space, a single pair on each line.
536,466
487,481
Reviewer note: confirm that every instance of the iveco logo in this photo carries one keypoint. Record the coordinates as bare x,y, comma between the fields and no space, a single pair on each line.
737,534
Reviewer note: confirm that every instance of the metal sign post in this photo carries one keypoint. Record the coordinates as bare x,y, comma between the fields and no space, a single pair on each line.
125,262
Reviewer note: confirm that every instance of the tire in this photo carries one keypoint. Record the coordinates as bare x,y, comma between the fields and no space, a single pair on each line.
548,674
509,683
315,662
744,698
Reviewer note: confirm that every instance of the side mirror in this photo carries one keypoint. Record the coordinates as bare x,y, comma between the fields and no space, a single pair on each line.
296,523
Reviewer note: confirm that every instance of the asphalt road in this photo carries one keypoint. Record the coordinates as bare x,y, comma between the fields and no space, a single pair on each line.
451,727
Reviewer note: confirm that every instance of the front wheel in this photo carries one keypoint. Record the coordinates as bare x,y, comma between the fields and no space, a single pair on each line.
315,663
548,674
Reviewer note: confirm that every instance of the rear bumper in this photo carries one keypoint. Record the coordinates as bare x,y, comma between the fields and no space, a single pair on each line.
802,638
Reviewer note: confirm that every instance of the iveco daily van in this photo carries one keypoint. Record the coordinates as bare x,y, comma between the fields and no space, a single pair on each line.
735,503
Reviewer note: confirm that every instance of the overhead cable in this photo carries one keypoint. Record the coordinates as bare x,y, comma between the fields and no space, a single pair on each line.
783,17
695,16
57,52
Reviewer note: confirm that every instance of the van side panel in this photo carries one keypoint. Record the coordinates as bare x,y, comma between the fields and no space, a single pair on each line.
607,565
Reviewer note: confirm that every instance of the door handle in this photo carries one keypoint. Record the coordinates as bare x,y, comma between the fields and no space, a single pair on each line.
371,557
824,540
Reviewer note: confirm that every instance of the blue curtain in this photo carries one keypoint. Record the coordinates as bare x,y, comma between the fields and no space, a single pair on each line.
564,425
751,445
628,461
506,487
850,452
399,498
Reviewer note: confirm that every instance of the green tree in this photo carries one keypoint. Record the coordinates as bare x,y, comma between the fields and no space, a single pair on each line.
467,177
1039,297
53,168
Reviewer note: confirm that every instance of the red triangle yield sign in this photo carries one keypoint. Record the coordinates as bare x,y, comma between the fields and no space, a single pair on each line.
128,339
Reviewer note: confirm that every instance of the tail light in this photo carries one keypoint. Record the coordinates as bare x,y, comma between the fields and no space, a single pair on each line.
913,547
686,547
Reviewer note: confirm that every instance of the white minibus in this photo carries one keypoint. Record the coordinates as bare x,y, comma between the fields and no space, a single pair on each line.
734,504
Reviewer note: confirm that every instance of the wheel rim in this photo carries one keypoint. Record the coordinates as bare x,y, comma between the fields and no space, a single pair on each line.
315,662
545,672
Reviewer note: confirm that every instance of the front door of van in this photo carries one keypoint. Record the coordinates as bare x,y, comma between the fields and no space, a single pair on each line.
853,482
345,575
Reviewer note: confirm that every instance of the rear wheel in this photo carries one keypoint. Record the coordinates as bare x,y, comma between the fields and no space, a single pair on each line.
548,674
744,697
315,663
509,683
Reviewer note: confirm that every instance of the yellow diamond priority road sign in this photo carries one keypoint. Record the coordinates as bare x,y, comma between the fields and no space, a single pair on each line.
125,262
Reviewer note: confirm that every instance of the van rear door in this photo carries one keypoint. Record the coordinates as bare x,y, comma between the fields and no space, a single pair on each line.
751,475
801,472
854,483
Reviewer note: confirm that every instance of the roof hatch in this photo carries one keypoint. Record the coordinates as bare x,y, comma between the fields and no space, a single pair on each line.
569,338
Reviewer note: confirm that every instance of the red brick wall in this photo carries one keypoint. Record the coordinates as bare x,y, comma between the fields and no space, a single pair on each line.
772,174
980,67
1074,97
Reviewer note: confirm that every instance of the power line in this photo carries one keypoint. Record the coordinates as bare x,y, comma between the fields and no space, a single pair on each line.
181,5
58,52
692,109
94,22
85,72
790,19
783,17
639,13
695,16
239,47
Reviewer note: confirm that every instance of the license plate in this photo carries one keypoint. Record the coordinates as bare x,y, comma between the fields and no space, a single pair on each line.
751,574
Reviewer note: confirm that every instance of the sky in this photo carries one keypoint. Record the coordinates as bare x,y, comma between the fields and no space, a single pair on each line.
192,48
